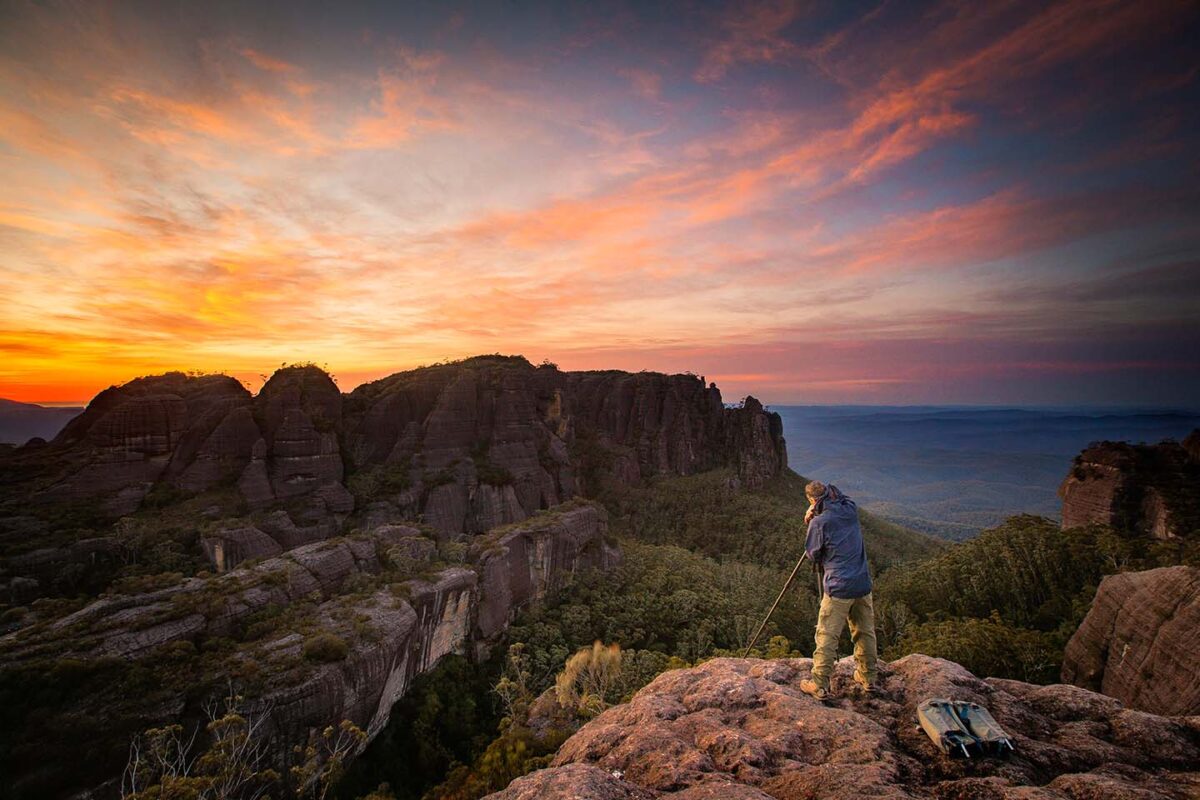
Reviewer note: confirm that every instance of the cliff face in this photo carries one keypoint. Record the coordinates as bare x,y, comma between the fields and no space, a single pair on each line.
463,447
1150,489
1140,642
349,588
131,436
742,730
320,512
491,440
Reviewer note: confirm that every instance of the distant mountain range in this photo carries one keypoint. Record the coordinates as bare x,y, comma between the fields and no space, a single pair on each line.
20,422
953,471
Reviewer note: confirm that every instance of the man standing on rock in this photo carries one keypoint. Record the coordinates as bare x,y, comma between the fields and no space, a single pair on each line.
835,545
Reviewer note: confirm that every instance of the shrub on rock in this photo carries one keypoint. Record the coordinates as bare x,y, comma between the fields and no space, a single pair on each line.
325,647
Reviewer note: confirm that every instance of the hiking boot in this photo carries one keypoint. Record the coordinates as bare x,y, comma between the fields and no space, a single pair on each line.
811,688
865,686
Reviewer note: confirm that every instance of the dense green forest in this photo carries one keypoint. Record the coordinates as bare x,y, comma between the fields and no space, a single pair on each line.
1005,603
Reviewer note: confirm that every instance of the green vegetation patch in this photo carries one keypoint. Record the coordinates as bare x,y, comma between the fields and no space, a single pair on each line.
325,648
707,513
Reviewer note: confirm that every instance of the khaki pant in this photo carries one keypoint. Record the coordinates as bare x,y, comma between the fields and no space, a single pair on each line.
834,615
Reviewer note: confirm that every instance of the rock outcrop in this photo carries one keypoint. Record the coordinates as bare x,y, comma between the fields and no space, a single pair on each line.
488,441
742,730
300,416
347,588
323,513
1148,489
1140,642
524,562
130,436
464,447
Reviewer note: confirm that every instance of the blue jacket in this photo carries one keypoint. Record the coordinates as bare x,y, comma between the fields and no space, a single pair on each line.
835,543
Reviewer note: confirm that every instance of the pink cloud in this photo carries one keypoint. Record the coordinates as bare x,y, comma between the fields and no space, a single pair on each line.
753,33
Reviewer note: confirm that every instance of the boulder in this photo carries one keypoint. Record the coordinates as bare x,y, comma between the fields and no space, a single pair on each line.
230,546
736,728
1140,642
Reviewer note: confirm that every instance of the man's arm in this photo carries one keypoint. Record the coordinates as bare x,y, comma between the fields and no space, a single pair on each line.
814,544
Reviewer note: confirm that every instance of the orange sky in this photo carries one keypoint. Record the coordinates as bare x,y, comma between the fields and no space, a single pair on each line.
820,203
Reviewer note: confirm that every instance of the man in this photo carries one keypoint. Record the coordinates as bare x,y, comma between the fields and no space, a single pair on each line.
835,545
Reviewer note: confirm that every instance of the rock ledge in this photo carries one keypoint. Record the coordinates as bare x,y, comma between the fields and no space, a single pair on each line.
743,730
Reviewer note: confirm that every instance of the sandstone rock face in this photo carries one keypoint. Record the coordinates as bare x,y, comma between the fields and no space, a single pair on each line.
742,729
1150,489
1140,642
212,453
391,636
463,447
300,409
489,441
1191,443
195,433
674,424
523,563
130,435
228,547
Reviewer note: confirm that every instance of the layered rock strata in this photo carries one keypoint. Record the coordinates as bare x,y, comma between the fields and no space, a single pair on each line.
742,730
192,431
1140,642
391,632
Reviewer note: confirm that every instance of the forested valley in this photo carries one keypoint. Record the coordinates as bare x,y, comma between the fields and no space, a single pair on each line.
703,559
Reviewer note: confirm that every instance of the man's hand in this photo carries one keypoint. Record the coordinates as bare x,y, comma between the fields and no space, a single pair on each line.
808,515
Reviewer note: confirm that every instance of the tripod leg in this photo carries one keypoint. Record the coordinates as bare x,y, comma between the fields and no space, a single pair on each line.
774,605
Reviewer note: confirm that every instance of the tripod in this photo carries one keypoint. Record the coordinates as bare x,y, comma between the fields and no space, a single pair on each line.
774,605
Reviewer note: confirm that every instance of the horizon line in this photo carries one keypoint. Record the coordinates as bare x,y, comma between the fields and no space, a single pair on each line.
1127,407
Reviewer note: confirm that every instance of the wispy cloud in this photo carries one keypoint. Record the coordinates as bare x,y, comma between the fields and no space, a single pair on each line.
750,32
924,212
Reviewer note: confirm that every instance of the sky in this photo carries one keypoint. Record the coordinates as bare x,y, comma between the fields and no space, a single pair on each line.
810,202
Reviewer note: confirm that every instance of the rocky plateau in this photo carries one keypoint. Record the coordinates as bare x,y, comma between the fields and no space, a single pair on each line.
733,729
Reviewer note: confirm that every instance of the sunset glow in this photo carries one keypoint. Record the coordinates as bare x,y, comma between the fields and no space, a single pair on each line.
980,202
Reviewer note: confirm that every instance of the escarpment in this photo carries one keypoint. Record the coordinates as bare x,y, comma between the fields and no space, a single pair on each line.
742,729
383,605
462,447
1149,489
312,549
